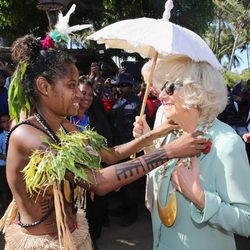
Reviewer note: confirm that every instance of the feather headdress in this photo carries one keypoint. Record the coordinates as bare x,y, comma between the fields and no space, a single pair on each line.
60,35
56,38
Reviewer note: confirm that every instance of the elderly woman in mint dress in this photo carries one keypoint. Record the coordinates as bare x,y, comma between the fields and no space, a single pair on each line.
197,203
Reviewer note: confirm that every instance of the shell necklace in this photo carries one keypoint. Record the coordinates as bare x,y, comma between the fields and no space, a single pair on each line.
67,187
168,213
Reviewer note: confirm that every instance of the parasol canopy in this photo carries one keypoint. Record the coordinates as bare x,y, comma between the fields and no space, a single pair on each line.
148,36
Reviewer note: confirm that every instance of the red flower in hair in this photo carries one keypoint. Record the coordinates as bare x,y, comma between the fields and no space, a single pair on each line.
48,42
207,149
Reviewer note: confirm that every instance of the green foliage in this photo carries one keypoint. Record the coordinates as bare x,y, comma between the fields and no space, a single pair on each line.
232,77
17,100
245,75
4,18
16,18
194,15
230,30
46,166
220,39
185,13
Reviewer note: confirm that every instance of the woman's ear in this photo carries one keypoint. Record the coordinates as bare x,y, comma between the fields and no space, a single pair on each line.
42,85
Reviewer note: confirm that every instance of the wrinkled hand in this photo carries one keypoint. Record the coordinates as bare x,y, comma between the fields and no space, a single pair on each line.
187,182
140,126
186,145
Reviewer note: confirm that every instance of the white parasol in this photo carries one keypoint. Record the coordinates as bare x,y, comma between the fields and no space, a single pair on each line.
155,38
147,36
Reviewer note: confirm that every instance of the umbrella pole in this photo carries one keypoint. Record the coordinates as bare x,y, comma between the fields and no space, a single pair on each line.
149,83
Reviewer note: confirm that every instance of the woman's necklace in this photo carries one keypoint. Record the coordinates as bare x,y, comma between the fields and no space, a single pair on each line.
168,213
66,186
47,128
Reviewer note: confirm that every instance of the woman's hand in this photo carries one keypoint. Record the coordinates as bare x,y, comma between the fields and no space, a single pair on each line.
140,126
187,182
188,145
165,128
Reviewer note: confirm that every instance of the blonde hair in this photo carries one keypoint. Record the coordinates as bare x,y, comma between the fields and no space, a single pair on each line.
203,85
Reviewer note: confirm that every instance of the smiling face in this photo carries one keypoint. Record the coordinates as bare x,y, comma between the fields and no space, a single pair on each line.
172,98
172,101
87,96
64,96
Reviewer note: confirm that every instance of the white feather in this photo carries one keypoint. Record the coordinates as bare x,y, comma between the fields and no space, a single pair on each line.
78,27
62,25
168,7
71,10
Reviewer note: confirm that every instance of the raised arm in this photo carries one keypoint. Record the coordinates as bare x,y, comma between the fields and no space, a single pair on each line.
145,139
110,178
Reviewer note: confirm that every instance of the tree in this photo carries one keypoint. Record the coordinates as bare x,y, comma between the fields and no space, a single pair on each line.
194,15
231,78
235,16
21,17
185,13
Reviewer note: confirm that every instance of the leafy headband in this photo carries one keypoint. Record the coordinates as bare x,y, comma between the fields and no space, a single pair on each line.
56,38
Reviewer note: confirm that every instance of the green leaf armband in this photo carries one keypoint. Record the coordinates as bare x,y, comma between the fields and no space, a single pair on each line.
72,153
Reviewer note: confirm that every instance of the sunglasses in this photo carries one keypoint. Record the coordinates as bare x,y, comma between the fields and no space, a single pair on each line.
170,87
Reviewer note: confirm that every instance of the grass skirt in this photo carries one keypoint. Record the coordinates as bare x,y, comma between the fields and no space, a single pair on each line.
18,240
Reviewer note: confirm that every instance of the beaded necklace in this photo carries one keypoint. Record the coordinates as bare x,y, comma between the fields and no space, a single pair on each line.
187,161
20,223
54,138
47,128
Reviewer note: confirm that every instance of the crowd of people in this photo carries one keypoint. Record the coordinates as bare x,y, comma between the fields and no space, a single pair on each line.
236,113
55,93
109,104
196,201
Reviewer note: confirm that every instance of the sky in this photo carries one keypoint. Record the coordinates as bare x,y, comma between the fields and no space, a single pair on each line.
243,65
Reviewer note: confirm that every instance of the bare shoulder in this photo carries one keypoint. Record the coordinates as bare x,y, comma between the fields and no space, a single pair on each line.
25,139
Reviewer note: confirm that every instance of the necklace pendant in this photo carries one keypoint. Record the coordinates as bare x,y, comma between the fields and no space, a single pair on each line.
168,213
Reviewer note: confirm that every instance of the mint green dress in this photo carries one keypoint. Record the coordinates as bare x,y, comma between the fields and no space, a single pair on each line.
225,177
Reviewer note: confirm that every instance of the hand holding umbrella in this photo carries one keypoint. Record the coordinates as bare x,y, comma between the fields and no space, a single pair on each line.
155,38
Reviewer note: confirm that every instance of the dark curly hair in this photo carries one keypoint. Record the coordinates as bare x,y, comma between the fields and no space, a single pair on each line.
49,63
